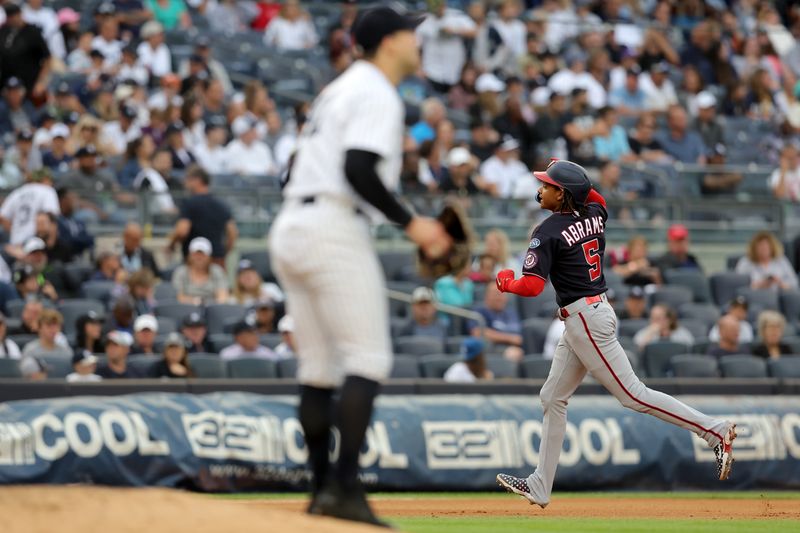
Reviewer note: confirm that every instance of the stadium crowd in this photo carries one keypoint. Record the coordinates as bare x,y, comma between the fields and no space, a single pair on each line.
105,104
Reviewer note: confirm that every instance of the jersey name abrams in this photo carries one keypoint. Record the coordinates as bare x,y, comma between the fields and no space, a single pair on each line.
582,229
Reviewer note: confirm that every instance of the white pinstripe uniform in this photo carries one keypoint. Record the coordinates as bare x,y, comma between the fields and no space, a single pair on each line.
321,249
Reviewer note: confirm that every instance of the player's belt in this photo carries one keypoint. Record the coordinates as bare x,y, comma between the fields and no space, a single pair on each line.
306,200
576,306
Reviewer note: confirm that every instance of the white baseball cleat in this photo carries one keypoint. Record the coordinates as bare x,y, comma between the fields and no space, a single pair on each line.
724,453
518,486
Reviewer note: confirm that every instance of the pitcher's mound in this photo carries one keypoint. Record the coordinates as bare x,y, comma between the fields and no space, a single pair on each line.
82,509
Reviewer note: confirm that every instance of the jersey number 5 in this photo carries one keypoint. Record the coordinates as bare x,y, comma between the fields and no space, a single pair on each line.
592,258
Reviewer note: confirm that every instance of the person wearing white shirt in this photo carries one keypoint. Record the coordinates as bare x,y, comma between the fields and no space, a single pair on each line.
292,29
8,348
153,54
785,180
658,88
152,179
472,367
130,69
19,209
503,169
511,29
246,344
84,365
118,133
107,42
441,37
246,154
210,154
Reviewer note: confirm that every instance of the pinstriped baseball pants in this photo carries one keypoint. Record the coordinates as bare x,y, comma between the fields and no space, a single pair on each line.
323,256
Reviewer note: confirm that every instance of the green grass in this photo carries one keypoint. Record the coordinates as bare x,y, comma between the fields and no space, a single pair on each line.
586,525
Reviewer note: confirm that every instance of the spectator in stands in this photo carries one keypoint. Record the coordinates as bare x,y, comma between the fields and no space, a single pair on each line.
472,367
141,288
677,255
497,245
501,171
635,306
134,257
131,15
203,215
84,366
33,12
230,16
246,154
287,347
24,54
120,133
706,122
130,69
263,316
107,42
156,180
728,343
549,124
484,269
108,268
455,289
442,37
170,13
629,99
610,140
57,159
658,88
30,283
663,326
195,331
635,267
122,315
461,170
90,176
503,326
33,368
424,321
678,141
785,180
250,288
771,327
89,333
738,308
511,30
199,281
433,113
719,181
56,249
50,341
246,344
463,95
483,139
210,153
643,142
21,159
72,230
175,360
19,209
8,348
182,158
16,113
31,312
292,29
118,344
153,53
766,264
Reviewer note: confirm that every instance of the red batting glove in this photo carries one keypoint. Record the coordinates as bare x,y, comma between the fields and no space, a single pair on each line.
504,277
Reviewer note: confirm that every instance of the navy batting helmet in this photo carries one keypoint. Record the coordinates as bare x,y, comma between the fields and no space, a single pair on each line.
568,176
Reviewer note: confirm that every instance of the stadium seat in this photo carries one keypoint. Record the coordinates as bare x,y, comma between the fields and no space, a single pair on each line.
252,368
58,366
418,345
673,296
166,325
220,340
164,292
143,363
287,368
793,342
656,357
270,340
74,309
394,263
724,286
743,366
502,367
697,328
22,339
701,347
695,281
176,310
731,261
453,344
217,315
533,307
405,367
534,333
207,366
535,367
9,368
760,299
261,261
790,304
398,309
785,367
434,366
631,326
98,290
694,366
14,308
705,312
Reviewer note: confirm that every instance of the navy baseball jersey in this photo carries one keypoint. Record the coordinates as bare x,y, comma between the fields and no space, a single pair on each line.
569,250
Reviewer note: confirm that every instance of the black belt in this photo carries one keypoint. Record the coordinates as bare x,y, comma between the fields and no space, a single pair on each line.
306,200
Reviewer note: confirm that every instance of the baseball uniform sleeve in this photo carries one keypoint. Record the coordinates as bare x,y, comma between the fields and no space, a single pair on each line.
539,257
373,126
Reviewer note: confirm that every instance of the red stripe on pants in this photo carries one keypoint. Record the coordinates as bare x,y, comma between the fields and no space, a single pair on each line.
634,398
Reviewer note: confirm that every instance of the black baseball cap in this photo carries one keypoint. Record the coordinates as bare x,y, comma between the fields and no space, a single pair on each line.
12,9
569,176
193,320
372,25
243,326
86,151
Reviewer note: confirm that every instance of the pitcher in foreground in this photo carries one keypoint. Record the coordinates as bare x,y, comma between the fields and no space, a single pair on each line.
568,247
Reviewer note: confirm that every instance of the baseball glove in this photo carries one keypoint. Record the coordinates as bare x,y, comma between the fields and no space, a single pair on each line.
456,223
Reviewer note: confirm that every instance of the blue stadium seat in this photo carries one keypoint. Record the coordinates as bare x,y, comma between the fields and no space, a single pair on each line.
672,295
252,368
207,366
177,311
502,367
218,315
9,368
434,366
287,368
631,326
693,280
743,366
694,366
785,367
406,367
656,357
58,366
418,345
725,286
535,367
534,333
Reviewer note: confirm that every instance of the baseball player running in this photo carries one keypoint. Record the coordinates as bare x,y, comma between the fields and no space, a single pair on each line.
568,247
347,161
